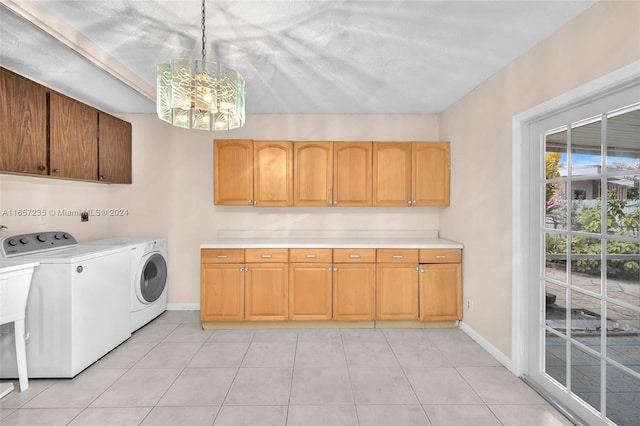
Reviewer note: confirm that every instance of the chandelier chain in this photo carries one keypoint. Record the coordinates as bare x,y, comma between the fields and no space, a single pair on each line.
204,38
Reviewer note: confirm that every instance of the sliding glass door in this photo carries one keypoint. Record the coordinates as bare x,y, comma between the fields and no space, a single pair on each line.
587,307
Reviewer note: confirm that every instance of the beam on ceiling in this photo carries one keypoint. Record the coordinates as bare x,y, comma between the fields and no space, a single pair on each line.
42,18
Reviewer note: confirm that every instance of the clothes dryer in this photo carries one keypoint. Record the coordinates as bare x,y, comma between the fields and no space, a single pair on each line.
148,276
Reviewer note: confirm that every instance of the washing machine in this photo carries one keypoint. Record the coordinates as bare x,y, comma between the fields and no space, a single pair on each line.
148,276
78,304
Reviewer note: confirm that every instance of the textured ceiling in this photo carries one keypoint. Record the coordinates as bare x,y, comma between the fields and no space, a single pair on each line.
302,56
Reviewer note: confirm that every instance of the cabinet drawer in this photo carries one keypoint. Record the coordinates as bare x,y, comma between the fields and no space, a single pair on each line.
354,255
440,256
266,255
397,256
222,256
310,255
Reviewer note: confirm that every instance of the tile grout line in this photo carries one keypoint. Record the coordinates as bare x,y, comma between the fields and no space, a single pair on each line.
353,392
404,373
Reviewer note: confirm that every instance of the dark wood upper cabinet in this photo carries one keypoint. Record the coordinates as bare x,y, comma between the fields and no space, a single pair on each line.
23,125
43,132
114,149
73,138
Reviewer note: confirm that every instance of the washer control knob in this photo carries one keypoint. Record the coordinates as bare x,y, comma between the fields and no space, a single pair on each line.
42,238
66,236
24,240
12,242
58,236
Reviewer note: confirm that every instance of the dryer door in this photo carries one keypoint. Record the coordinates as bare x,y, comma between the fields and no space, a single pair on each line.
152,279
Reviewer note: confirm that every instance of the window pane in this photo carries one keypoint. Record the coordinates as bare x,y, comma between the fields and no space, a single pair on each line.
623,397
556,257
623,340
585,376
586,263
623,213
556,155
556,207
586,320
556,307
556,358
585,214
623,271
586,151
623,141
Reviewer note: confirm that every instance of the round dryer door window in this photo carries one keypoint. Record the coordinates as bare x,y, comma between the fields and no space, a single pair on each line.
153,278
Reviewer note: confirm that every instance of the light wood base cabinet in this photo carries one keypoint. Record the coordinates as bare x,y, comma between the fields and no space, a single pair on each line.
331,284
310,293
440,292
222,292
440,284
266,286
354,290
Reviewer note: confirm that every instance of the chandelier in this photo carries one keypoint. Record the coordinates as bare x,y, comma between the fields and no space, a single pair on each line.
196,94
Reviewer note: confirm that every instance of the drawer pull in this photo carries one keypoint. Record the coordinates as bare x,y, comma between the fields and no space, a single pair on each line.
222,256
354,256
440,256
398,256
266,256
310,256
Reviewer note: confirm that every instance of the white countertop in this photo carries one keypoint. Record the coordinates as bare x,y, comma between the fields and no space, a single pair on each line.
7,266
397,243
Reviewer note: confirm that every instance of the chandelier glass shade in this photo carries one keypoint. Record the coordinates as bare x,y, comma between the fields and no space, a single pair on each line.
197,94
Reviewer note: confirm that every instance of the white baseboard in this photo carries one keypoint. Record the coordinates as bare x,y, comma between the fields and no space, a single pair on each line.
183,306
497,354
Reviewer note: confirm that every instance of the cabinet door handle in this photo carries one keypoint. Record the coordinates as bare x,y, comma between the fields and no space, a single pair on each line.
310,256
335,269
330,269
409,202
102,177
421,270
413,201
56,170
246,269
354,256
241,269
440,256
222,256
398,256
266,256
42,168
418,268
251,202
255,202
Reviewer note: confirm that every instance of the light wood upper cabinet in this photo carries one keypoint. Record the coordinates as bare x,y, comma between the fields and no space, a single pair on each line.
233,172
392,166
23,125
114,149
73,138
352,173
411,173
431,173
273,173
313,174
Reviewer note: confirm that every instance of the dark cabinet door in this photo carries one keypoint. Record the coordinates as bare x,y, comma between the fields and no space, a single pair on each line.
74,139
114,149
23,125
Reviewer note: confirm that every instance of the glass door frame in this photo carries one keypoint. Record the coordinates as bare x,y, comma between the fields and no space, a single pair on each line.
607,93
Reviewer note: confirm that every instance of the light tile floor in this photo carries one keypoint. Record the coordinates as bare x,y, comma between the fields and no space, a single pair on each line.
171,372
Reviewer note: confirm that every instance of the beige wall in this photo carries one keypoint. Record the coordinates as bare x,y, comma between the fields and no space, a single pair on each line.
602,39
